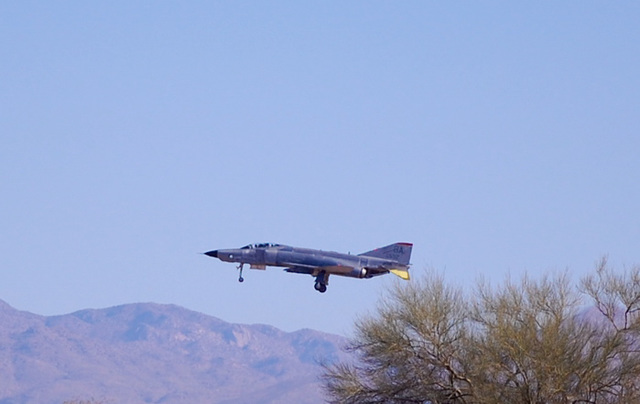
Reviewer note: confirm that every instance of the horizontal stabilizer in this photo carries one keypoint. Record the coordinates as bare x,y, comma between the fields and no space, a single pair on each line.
403,273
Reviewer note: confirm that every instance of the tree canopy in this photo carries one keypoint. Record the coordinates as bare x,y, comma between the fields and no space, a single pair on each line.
534,341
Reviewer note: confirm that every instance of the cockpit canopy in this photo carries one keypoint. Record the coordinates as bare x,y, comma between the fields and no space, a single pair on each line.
261,245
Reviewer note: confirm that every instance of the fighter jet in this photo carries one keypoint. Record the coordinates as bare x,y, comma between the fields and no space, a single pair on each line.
320,264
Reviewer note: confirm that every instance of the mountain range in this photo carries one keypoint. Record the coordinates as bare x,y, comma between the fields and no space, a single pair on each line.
152,353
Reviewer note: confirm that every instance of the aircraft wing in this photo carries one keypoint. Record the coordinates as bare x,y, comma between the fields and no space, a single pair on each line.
300,269
343,269
314,270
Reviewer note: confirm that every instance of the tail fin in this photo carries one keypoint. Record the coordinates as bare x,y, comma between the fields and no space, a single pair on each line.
399,252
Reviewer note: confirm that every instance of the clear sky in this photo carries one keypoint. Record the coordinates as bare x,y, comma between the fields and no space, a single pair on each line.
498,137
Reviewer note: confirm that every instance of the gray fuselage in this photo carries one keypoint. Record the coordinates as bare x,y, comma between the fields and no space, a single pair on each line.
393,258
309,261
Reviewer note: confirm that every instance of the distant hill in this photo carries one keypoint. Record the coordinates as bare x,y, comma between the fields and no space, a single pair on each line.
151,353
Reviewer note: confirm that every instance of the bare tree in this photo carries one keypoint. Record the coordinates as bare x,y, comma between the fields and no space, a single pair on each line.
413,349
531,341
615,352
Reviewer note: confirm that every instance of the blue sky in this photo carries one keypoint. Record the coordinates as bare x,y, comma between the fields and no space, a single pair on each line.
498,137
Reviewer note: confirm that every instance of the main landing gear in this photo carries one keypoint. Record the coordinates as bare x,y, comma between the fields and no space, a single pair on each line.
240,279
322,280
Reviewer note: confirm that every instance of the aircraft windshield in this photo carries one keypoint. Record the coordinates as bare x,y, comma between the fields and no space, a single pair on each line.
261,245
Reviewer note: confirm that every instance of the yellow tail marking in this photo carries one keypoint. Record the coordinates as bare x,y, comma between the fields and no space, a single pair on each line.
404,274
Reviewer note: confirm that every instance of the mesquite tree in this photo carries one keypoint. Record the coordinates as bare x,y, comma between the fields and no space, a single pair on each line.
531,341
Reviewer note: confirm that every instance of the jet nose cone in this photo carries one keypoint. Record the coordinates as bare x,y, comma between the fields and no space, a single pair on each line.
213,253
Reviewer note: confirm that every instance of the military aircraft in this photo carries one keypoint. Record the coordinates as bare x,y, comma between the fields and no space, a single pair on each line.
393,258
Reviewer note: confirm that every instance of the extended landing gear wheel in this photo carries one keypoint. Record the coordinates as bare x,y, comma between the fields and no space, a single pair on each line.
320,287
241,279
322,279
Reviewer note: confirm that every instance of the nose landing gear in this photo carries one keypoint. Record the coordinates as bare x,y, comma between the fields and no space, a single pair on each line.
240,279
